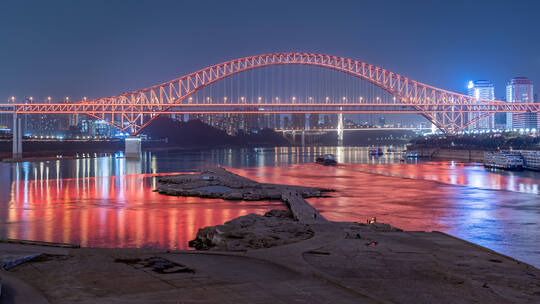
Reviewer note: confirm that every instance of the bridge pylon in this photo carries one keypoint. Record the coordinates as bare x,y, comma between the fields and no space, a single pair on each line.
17,136
133,147
340,128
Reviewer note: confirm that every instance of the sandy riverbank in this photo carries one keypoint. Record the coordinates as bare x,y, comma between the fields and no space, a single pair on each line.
331,262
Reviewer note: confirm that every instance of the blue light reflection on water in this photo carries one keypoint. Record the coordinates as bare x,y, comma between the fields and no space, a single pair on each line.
97,193
464,174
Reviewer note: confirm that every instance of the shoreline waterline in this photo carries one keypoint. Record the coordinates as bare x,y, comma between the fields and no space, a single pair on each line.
119,209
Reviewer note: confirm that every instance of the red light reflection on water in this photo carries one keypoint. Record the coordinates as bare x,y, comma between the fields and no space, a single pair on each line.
358,197
411,204
120,211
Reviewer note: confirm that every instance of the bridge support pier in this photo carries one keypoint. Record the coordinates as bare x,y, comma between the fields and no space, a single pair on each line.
303,138
340,128
17,136
289,136
133,147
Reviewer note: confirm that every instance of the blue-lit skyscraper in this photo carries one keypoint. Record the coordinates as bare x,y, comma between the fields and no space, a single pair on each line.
520,90
481,90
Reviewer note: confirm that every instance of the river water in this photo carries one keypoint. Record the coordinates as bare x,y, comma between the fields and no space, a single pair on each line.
107,201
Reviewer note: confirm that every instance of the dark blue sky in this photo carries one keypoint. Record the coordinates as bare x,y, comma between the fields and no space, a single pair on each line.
100,48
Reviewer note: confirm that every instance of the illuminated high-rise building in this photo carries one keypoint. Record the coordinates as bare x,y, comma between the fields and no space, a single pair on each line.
520,90
481,90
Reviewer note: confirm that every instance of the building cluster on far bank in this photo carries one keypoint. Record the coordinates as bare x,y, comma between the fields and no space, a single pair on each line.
518,90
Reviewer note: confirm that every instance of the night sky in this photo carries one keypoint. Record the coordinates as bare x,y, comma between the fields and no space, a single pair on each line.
102,48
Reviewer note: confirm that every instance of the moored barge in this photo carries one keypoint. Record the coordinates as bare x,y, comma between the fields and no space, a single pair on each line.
531,159
507,160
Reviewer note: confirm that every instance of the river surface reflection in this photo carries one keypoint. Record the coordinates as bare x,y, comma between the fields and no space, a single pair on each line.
108,201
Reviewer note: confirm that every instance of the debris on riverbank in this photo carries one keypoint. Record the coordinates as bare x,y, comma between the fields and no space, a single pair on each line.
155,264
7,262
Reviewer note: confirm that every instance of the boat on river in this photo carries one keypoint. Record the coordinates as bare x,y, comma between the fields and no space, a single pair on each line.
531,159
411,154
327,160
374,151
507,160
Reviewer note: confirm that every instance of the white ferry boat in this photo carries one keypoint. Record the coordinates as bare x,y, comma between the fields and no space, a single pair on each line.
508,160
531,159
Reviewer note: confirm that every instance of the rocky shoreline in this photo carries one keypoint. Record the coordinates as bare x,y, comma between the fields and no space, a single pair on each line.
283,256
220,183
253,231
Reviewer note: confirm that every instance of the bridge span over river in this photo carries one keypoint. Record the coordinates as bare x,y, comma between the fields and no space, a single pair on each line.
132,111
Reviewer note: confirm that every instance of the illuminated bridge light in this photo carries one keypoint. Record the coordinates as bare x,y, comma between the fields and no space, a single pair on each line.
131,112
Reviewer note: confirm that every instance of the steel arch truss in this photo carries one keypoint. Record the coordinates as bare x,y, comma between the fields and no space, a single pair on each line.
133,111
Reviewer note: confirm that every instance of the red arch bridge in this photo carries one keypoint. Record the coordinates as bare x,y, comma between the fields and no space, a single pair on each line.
131,112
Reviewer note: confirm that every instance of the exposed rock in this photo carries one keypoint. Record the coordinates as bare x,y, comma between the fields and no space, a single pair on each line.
276,227
156,264
279,213
252,231
233,195
383,227
219,183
